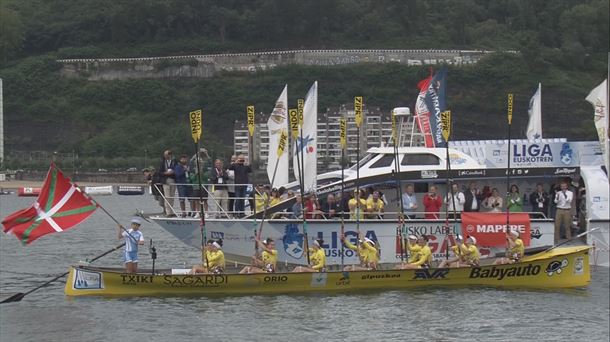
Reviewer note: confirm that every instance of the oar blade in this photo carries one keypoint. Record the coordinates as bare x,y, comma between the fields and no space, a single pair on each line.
17,297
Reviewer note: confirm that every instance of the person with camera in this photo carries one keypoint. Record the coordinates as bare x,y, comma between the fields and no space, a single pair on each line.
539,200
432,204
563,216
241,170
494,202
455,202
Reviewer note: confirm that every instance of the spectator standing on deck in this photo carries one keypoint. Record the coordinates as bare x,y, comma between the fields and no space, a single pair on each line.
241,170
455,202
539,200
563,216
409,202
167,177
219,179
432,204
473,197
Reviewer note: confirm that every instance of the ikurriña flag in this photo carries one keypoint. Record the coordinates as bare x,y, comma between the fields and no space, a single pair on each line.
60,206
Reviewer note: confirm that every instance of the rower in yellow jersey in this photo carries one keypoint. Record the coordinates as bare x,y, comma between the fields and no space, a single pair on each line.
413,248
458,258
267,261
515,250
424,256
368,254
215,259
317,258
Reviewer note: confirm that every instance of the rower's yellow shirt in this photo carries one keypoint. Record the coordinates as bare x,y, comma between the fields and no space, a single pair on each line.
269,257
273,201
457,251
471,254
374,207
424,256
215,259
260,202
518,249
353,207
413,251
366,252
317,259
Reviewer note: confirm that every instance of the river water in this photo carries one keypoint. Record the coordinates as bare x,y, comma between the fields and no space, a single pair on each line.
425,314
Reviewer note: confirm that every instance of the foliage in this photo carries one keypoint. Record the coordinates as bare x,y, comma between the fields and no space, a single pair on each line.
562,44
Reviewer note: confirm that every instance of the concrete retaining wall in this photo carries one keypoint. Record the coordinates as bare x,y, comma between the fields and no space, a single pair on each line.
205,66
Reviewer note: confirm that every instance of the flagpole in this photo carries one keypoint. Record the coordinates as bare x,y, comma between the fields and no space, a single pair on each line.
301,166
358,120
510,119
196,128
343,143
396,172
446,132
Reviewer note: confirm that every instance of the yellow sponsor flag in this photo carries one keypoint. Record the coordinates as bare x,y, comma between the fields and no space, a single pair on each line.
300,106
281,145
394,127
446,124
343,132
250,111
195,118
510,108
358,110
293,117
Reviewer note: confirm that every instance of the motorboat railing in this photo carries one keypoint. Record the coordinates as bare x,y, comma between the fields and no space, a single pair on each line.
225,207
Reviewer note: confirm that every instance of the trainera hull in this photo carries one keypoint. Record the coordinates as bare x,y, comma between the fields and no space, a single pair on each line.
560,268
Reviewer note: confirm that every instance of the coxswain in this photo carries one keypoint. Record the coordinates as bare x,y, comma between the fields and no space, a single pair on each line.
423,256
515,249
267,261
317,258
214,260
369,257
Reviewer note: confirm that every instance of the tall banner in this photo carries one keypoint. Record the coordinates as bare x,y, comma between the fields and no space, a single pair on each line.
490,228
436,102
278,122
307,143
534,127
598,97
422,114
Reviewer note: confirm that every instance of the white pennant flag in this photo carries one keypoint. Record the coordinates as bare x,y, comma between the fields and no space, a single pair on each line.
598,97
278,120
308,142
534,127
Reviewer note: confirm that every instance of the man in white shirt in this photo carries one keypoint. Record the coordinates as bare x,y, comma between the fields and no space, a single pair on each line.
563,216
455,202
409,202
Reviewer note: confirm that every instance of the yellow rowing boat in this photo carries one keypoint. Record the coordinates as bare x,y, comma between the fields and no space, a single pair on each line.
564,267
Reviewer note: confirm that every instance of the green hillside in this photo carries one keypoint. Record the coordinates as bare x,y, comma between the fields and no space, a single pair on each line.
563,44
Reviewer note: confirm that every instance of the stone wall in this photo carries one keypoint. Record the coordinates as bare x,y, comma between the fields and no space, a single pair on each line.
205,66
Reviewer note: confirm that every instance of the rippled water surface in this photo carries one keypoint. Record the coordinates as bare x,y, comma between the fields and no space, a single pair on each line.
430,314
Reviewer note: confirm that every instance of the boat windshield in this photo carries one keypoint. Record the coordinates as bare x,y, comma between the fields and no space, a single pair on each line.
364,160
420,159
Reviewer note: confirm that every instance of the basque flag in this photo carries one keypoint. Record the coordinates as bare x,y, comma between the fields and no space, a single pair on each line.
436,102
60,206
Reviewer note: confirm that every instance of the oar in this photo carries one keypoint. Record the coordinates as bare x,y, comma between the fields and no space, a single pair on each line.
571,239
19,296
343,141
